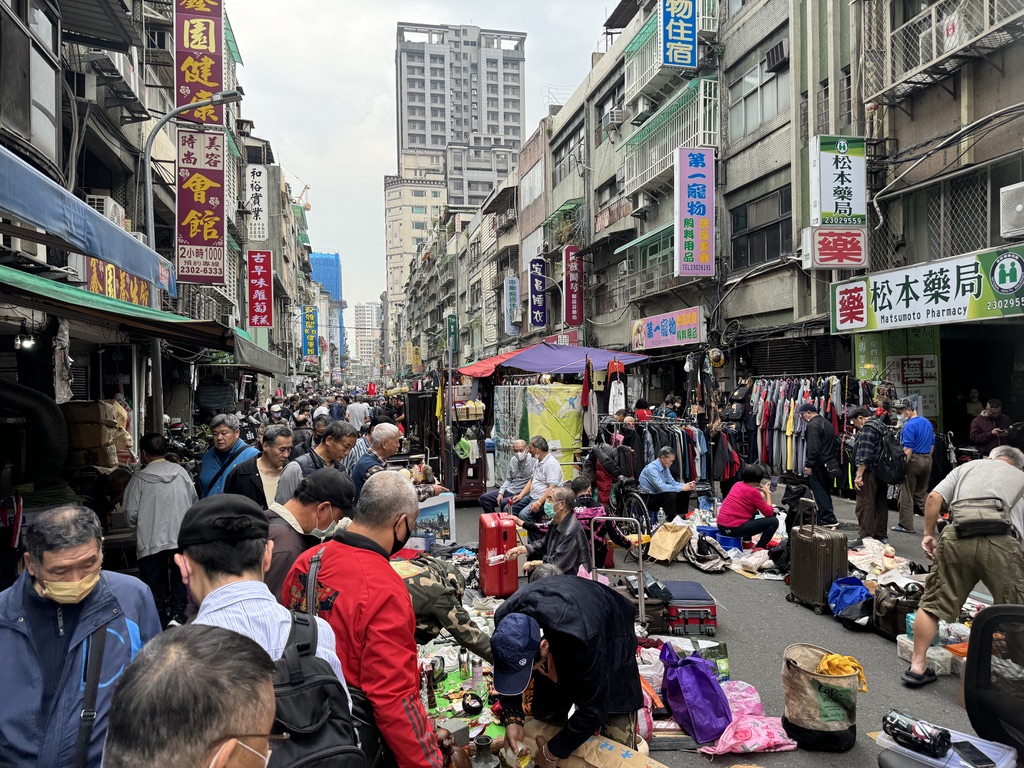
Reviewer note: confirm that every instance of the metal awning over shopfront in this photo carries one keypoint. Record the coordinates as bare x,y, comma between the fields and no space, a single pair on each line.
645,238
65,300
98,23
251,356
34,200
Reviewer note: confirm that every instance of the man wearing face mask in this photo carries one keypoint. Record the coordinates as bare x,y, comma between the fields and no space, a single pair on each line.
225,550
61,612
368,606
565,544
517,480
306,519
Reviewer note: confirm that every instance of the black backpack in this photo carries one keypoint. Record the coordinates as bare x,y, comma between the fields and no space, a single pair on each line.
311,706
891,467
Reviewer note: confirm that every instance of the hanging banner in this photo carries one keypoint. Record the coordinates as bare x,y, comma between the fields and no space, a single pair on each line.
985,285
672,329
199,58
511,305
310,332
678,32
572,285
695,212
839,247
261,289
538,299
255,200
107,279
839,179
200,236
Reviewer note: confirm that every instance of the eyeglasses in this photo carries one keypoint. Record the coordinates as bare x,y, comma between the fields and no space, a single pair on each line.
273,739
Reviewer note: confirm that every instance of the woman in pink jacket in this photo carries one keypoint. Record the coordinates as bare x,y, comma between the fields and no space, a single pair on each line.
744,500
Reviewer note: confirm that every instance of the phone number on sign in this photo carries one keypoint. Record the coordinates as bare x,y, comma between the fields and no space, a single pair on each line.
1006,303
200,269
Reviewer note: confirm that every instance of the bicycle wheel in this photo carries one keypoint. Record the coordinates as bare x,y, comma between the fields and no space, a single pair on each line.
633,506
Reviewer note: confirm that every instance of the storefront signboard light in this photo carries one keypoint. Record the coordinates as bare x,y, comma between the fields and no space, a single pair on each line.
200,236
985,285
672,329
694,212
511,305
199,58
538,299
838,181
260,286
572,285
310,332
678,33
109,280
256,201
839,247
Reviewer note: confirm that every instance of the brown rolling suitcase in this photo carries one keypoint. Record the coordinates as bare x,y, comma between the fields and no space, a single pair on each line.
818,557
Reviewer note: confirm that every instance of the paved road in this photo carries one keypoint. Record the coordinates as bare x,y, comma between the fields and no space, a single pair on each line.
758,623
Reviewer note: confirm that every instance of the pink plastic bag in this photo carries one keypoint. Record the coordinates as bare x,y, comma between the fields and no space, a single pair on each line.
583,573
750,730
644,720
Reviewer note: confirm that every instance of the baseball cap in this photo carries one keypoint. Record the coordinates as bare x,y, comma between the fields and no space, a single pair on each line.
515,644
275,408
807,408
906,402
223,517
330,484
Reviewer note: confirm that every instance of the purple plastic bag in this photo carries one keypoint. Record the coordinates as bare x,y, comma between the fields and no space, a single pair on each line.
694,695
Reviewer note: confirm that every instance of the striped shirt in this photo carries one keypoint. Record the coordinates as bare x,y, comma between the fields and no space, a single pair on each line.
249,608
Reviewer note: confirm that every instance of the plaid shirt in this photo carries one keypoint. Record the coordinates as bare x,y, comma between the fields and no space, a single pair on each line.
869,443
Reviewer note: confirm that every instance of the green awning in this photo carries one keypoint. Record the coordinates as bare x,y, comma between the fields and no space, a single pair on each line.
232,145
65,300
567,207
304,237
644,239
233,244
229,35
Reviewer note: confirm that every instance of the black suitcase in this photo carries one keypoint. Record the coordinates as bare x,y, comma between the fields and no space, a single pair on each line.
818,557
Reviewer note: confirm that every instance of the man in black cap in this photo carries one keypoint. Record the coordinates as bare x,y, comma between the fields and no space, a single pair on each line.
578,635
224,554
306,519
822,449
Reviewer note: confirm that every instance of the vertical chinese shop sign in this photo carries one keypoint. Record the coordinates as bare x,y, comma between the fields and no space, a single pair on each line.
261,289
310,331
695,212
572,286
199,58
200,236
538,301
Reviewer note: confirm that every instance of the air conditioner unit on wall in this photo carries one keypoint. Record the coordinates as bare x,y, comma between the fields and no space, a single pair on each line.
645,204
108,207
1011,212
613,118
645,107
140,236
778,56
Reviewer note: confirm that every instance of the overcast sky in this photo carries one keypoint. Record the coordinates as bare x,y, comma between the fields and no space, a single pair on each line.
319,79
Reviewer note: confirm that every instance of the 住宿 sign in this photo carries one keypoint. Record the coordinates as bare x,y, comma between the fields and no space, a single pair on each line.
985,285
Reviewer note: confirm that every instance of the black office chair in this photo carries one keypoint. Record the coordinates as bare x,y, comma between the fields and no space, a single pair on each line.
993,681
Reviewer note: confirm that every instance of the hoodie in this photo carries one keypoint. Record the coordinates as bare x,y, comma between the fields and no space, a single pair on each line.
156,500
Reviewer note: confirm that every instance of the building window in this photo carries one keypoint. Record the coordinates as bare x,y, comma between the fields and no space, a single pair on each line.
567,155
757,97
419,209
419,193
762,230
435,193
805,133
846,98
823,109
419,225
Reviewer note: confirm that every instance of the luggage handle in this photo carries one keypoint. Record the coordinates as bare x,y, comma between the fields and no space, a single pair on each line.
639,571
814,518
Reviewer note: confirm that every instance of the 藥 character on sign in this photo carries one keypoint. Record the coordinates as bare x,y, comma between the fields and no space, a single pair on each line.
851,305
936,285
198,184
907,292
881,295
199,35
968,280
695,208
842,192
199,70
839,248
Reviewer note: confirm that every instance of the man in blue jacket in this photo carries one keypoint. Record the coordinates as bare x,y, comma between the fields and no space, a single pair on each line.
228,452
62,608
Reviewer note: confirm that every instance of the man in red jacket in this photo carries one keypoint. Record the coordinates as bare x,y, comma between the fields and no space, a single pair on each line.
366,603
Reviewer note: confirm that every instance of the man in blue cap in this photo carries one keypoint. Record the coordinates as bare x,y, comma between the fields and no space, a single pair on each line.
578,636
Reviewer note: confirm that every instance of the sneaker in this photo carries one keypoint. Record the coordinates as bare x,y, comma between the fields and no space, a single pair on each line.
173,623
901,529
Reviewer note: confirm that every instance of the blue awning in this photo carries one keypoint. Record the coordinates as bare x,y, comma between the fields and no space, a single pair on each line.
33,199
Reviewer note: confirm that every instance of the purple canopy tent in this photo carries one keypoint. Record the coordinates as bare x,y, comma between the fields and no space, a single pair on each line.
559,359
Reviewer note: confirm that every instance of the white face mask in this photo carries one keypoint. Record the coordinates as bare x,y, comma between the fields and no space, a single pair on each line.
521,455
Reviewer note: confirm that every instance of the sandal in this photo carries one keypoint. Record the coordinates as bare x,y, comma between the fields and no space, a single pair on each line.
913,680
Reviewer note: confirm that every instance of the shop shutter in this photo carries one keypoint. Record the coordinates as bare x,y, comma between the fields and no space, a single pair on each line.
781,357
80,381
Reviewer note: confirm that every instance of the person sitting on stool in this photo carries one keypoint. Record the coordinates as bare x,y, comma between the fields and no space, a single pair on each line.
664,491
744,500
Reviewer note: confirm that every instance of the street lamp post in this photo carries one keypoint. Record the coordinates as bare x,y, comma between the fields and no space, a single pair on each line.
222,97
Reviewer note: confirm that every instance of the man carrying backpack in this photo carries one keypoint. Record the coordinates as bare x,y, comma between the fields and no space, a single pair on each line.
224,554
871,508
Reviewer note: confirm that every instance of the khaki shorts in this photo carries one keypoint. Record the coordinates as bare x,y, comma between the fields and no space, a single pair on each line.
995,561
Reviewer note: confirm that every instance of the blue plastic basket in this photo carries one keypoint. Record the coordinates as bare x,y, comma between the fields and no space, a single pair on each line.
729,542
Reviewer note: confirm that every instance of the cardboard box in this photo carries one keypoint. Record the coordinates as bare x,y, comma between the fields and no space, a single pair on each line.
103,456
91,411
90,434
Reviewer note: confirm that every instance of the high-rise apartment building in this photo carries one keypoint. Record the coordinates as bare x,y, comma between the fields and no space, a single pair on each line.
460,93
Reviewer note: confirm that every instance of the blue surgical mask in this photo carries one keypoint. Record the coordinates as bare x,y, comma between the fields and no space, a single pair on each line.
549,508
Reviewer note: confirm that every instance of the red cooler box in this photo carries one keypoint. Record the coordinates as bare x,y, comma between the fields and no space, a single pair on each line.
497,536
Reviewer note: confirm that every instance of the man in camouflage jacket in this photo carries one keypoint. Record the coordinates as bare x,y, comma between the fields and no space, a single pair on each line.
436,588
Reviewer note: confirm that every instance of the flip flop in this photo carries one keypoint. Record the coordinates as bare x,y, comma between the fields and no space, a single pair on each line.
913,680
